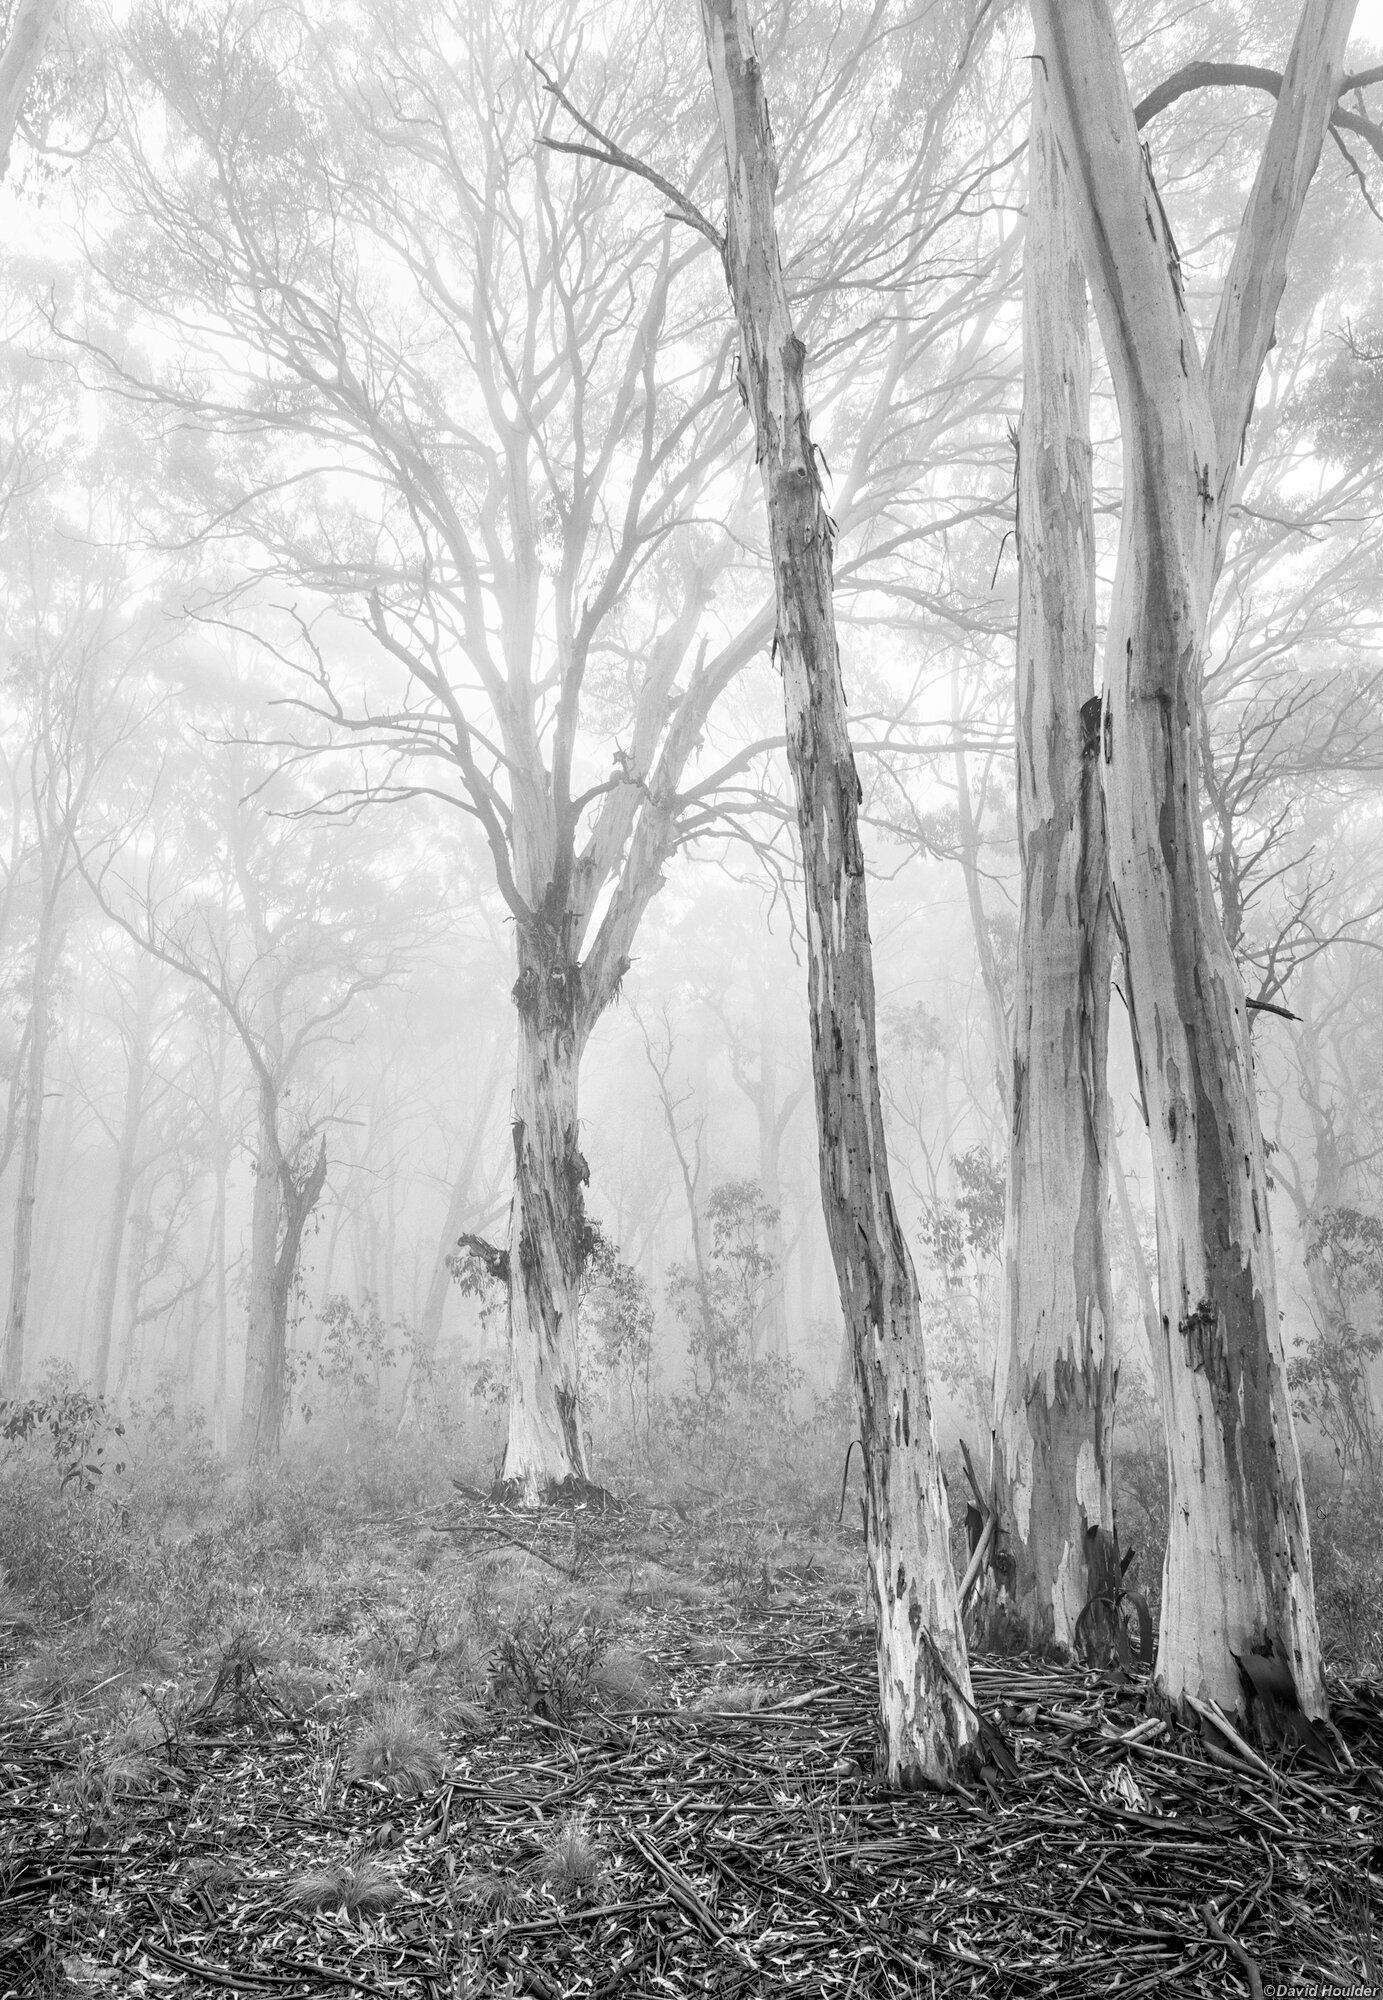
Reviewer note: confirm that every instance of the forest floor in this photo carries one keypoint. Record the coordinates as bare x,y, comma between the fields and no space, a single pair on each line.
466,1752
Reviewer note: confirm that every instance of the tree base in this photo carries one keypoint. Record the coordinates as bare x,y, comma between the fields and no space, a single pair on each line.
563,1495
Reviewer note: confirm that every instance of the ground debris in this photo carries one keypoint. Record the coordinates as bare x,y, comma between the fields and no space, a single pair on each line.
704,1841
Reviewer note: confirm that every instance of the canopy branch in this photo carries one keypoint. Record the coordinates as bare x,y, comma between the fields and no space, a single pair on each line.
610,154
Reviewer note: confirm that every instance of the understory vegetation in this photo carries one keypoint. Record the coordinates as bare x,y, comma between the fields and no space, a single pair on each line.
248,1693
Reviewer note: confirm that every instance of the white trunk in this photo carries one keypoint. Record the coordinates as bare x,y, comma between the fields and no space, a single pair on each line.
928,1721
30,23
1053,1420
122,1186
218,1380
264,1231
30,1140
1238,1571
547,1228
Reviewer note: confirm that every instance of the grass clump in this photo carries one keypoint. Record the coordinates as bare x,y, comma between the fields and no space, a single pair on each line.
572,1859
621,1679
396,1747
360,1888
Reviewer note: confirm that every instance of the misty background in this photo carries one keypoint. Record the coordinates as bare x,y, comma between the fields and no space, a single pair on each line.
279,301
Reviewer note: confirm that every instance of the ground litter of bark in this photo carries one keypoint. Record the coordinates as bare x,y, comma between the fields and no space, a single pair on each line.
726,1837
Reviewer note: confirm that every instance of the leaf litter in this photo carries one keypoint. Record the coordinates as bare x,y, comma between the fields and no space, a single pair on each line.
690,1811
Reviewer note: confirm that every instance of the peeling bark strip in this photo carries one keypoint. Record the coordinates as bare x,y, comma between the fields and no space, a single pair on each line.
548,1232
1053,1420
927,1719
1238,1573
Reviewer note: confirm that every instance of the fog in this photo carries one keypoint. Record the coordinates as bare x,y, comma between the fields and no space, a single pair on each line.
383,552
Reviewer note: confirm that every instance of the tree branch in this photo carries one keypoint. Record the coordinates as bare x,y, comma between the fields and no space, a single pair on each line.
609,154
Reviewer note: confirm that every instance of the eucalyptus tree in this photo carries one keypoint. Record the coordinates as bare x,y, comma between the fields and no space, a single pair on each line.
79,625
1054,1382
475,394
30,23
927,1714
1238,1572
286,924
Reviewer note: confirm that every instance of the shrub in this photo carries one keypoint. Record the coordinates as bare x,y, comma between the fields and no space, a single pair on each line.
547,1665
1347,1561
60,1549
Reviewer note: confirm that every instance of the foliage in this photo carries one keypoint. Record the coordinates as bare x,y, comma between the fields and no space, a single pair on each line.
1347,1565
357,1352
721,1309
78,1423
617,1332
973,1223
1330,1376
547,1665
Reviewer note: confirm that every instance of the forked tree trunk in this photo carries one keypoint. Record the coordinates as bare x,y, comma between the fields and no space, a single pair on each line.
928,1721
548,1232
1054,1414
1238,1570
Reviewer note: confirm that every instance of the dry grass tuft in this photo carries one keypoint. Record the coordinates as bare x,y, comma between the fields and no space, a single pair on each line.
622,1679
485,1889
572,1858
360,1889
130,1774
396,1747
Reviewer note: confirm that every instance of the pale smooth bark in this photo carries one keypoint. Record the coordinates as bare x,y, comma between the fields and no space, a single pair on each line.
1238,1570
928,1721
123,1180
1054,1404
18,62
222,1289
548,1239
30,1140
283,1201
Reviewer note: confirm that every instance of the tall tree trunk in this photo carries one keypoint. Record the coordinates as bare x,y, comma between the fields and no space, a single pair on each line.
131,1358
1054,1413
548,1232
218,1379
928,1720
30,22
279,1220
122,1185
1238,1571
30,1140
256,1393
991,974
